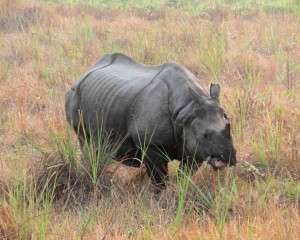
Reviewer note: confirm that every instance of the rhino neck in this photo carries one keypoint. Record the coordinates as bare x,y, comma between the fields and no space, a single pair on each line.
179,79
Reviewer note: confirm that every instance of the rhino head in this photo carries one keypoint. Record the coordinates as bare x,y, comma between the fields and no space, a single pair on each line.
206,131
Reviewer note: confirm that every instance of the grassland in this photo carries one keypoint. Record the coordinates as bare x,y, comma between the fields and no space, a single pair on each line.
251,48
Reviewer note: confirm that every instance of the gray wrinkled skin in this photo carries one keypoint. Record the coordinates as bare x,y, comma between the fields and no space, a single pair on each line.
163,106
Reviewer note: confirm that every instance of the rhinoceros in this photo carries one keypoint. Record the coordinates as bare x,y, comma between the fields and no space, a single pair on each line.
158,110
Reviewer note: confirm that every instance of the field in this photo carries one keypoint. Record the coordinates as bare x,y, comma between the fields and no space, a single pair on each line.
48,190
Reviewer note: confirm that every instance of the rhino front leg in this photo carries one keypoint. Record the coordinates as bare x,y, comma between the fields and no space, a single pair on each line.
156,166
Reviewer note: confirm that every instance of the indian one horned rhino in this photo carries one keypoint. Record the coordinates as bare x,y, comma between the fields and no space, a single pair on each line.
163,106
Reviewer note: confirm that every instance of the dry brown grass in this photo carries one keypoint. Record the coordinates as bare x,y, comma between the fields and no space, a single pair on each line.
255,57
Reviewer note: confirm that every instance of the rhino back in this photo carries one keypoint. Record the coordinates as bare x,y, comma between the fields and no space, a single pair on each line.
106,93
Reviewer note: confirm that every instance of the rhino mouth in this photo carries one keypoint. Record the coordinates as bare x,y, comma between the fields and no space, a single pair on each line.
216,163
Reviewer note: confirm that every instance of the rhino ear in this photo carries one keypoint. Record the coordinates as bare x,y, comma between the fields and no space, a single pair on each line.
215,91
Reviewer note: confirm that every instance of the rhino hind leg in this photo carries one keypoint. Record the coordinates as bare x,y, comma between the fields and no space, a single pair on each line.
157,167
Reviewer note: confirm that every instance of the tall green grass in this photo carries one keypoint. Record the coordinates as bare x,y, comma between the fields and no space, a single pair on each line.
30,208
100,151
224,197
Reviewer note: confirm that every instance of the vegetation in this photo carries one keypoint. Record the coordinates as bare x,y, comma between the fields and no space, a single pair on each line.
49,190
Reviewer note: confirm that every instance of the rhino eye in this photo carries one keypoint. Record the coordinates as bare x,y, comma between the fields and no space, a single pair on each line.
207,135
